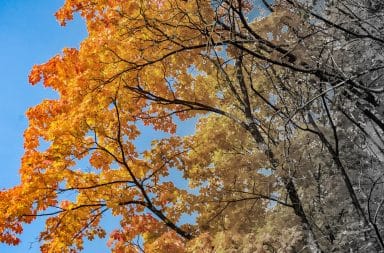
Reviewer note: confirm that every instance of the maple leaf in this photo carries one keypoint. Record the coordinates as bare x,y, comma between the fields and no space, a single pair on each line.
259,89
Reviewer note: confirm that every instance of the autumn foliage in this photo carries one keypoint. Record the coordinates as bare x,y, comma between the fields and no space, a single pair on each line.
268,160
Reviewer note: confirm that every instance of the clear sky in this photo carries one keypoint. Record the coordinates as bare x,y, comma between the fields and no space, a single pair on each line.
29,34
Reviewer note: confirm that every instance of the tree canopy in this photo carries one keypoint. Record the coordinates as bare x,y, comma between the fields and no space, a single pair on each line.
287,154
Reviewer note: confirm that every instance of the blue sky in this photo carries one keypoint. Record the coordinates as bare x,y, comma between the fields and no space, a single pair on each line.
29,34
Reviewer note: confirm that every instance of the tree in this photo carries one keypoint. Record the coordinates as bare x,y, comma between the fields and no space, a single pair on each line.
281,137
